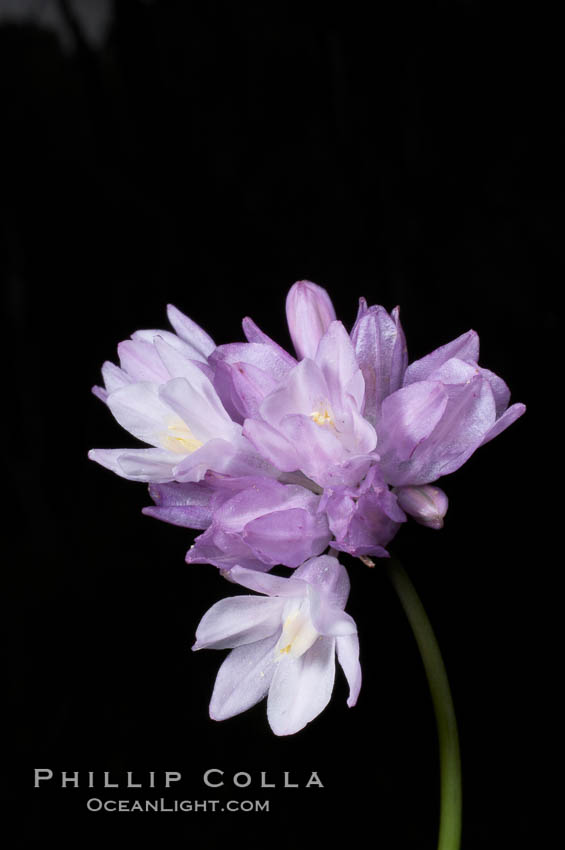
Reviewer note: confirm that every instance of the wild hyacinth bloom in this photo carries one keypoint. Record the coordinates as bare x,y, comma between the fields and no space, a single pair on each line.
252,521
163,394
431,415
258,522
274,458
313,421
363,518
283,644
350,421
246,372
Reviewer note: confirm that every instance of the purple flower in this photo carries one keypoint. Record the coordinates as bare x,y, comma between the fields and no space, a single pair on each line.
283,644
432,415
257,523
188,505
246,372
345,441
313,422
363,518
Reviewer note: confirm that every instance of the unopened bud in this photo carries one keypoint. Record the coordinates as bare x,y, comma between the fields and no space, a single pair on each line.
309,313
427,504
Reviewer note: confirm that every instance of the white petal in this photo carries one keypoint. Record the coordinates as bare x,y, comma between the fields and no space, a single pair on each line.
198,404
138,409
301,687
188,350
141,361
114,377
347,648
268,583
328,575
176,363
244,678
328,618
304,391
155,465
238,620
190,332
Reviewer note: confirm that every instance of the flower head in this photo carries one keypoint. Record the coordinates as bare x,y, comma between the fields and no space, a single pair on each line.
275,458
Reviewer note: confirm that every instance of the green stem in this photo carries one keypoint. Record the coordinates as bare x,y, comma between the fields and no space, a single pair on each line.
450,761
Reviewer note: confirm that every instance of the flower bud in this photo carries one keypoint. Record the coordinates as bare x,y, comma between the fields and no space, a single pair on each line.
427,504
380,349
309,313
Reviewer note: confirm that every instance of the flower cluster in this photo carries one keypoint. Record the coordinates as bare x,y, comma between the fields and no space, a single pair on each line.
276,458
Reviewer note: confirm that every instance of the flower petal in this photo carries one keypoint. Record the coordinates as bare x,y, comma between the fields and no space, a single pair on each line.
327,575
141,362
190,332
337,362
469,415
347,647
317,447
242,388
198,404
244,678
238,620
508,417
309,312
304,391
271,444
189,351
328,619
409,416
187,505
177,365
138,409
301,687
224,550
137,464
268,583
288,537
254,334
380,349
114,377
217,455
500,391
465,347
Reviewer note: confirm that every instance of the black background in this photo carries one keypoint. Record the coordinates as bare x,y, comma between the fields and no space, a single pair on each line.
209,155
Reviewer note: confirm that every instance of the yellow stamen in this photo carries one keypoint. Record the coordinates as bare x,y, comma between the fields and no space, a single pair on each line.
322,417
181,439
298,634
